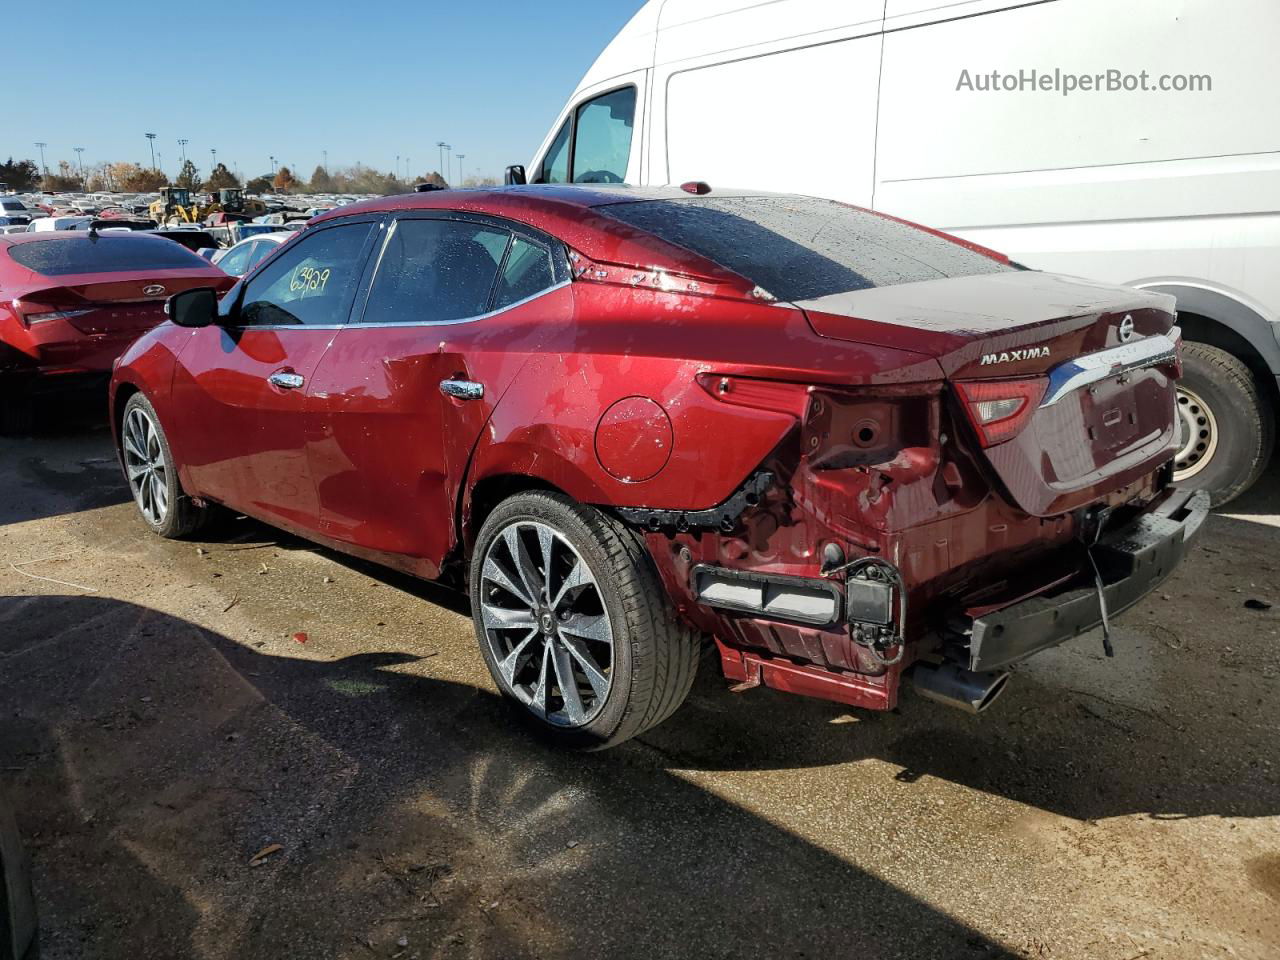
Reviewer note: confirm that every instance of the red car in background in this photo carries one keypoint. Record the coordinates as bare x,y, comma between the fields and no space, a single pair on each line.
847,448
70,303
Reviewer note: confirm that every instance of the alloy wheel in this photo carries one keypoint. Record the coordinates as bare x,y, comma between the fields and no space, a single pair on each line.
1197,435
546,624
144,464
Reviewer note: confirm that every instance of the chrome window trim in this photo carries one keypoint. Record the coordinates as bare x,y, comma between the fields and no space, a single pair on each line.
358,325
1070,376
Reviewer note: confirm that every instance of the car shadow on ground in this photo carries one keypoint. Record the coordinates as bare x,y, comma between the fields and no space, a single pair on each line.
151,758
1051,742
65,465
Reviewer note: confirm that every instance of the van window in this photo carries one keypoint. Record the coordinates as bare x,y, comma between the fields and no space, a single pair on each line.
801,248
602,139
555,165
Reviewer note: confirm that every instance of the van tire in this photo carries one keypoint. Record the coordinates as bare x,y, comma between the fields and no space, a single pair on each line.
1230,416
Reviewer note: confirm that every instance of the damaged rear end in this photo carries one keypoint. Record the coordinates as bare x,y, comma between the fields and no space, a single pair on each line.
937,529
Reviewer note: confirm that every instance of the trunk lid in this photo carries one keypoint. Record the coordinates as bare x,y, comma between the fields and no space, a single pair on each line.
1095,360
118,306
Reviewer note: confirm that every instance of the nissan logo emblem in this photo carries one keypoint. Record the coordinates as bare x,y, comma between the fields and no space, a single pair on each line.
155,289
1126,328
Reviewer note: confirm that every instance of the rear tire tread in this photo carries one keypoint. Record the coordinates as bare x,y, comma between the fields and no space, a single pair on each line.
1223,370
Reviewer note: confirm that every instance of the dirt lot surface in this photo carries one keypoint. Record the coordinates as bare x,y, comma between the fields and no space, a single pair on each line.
160,725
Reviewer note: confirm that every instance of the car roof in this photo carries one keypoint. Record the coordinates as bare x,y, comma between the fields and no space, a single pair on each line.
550,196
279,236
572,213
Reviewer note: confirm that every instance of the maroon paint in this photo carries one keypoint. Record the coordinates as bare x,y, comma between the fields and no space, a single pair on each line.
89,343
656,379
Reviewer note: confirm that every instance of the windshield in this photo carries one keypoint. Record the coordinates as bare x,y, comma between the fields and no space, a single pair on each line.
801,248
128,253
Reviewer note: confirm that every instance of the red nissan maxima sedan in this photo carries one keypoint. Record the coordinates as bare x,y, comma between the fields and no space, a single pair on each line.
70,303
850,450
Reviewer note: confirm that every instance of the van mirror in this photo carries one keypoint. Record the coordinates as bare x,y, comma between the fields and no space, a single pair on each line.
514,175
193,308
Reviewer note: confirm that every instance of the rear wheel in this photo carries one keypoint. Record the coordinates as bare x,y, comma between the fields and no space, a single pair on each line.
1225,424
574,624
153,476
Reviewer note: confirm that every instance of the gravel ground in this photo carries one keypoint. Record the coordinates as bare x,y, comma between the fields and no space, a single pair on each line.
160,724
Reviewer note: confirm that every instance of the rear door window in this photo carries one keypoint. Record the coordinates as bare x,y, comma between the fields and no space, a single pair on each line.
312,283
434,271
801,248
528,271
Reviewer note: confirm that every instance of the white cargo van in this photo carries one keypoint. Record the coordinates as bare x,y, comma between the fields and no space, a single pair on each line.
1134,142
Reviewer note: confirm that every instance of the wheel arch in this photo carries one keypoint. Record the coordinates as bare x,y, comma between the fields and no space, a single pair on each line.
480,500
1225,319
120,397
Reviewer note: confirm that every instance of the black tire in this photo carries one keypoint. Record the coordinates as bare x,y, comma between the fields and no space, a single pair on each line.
182,517
1219,397
654,656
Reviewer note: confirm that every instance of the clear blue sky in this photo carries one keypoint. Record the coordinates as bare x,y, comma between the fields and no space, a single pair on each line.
364,80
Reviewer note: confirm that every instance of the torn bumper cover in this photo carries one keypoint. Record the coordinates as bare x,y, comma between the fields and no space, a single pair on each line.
1132,559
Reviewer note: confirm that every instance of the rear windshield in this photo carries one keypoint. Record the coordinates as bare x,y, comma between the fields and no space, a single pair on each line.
60,256
800,248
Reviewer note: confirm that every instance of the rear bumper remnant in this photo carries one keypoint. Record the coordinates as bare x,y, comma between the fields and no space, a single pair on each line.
1132,559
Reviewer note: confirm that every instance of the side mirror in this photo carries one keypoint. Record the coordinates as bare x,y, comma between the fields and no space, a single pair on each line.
193,308
514,175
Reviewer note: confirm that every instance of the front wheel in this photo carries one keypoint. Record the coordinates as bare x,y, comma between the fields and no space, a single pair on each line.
1225,424
153,476
574,623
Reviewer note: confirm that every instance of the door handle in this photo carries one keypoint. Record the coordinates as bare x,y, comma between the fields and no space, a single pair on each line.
462,389
286,380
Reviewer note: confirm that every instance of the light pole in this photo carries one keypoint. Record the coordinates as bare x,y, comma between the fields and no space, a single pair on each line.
182,144
44,171
461,157
80,158
397,166
273,165
440,144
407,174
326,161
151,142
448,160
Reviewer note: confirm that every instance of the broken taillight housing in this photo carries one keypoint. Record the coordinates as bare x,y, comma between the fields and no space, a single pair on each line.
999,409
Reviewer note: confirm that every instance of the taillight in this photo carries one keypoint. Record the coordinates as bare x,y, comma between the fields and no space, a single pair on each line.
999,409
32,313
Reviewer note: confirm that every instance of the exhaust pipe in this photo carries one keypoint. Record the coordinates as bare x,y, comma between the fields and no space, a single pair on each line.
957,687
